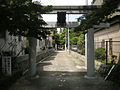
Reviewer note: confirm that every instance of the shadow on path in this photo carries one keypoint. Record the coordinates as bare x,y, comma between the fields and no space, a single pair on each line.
50,78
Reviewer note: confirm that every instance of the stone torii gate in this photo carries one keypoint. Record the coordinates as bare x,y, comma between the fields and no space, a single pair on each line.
74,9
89,49
89,37
68,10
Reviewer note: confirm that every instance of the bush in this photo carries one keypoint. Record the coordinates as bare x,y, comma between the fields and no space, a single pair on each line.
104,69
82,52
115,74
100,53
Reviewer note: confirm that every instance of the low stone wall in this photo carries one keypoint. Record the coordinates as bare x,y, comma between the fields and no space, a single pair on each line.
21,63
82,57
43,54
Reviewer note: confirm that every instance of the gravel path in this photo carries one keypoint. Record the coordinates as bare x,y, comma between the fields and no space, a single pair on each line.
61,72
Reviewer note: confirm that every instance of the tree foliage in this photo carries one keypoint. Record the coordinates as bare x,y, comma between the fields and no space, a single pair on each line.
81,41
99,15
77,38
74,40
23,17
59,38
100,53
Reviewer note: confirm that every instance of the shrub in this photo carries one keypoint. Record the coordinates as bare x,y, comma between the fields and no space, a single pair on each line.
104,69
82,52
115,74
100,53
113,59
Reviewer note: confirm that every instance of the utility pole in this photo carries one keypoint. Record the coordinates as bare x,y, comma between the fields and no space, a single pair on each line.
86,2
65,40
68,40
68,36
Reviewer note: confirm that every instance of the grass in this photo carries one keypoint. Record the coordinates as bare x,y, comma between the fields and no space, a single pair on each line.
104,61
51,54
76,57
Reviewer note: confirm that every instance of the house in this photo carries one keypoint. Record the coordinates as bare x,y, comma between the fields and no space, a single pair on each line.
45,43
97,2
109,38
14,45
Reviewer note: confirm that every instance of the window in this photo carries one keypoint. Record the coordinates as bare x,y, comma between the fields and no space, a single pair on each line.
110,46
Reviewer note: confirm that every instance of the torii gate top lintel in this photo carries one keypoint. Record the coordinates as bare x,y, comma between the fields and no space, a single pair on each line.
74,9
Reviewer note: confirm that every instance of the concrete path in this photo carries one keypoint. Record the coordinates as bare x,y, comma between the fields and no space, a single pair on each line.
61,72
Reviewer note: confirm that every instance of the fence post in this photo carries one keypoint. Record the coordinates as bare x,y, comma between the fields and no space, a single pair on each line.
106,52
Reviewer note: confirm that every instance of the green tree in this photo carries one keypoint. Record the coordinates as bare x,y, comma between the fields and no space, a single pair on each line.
98,16
81,41
74,40
59,38
73,37
56,37
77,38
100,53
62,37
20,17
23,17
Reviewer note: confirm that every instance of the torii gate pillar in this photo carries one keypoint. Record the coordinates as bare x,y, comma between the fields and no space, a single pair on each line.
89,46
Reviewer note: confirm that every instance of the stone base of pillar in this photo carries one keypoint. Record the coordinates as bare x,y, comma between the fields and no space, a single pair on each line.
88,77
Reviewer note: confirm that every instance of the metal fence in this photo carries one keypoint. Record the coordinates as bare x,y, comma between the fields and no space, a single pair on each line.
111,47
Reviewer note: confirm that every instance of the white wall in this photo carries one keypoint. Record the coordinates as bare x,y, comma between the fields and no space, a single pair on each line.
12,43
98,2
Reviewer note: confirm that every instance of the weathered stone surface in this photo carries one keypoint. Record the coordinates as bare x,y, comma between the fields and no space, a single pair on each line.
32,55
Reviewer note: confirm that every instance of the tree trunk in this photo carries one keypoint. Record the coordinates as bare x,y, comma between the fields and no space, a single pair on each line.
32,55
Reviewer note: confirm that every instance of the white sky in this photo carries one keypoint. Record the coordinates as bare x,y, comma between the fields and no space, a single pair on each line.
62,2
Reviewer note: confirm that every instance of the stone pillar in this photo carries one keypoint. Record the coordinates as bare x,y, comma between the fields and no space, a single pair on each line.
86,50
68,40
65,40
32,55
90,54
86,2
56,47
68,36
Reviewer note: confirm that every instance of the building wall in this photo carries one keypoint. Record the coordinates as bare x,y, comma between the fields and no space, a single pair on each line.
112,33
38,45
16,44
97,2
45,43
2,39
